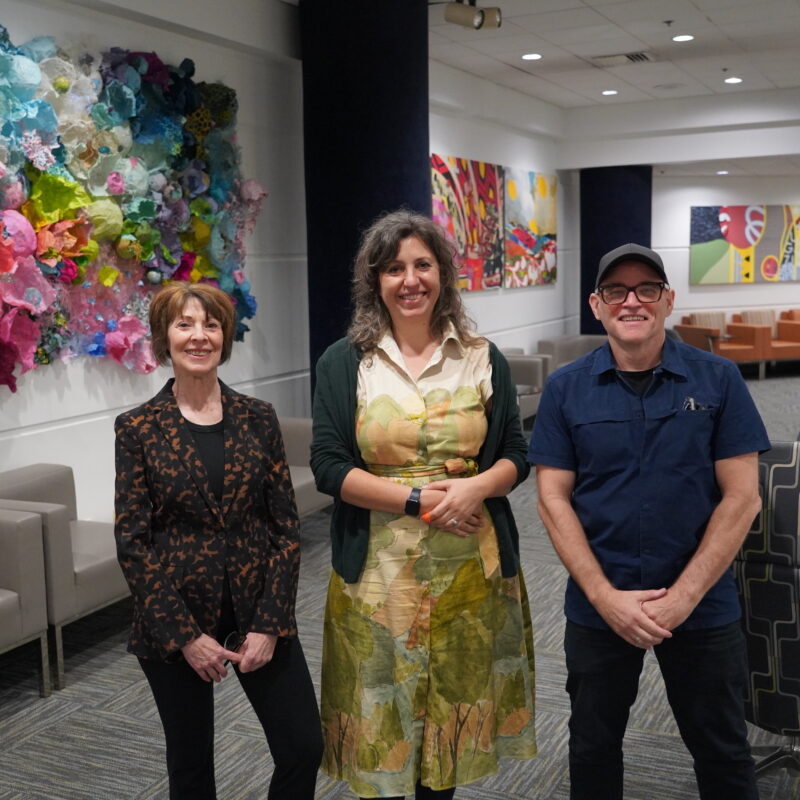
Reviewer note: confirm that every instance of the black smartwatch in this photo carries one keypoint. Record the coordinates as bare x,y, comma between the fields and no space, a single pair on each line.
413,506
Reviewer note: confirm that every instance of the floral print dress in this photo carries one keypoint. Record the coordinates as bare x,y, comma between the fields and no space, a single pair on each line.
427,666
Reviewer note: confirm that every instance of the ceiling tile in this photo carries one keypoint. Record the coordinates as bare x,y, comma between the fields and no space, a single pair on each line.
547,91
560,20
515,8
650,76
511,45
714,5
764,10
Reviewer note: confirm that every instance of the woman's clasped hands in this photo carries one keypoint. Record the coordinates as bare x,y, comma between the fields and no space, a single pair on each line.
453,505
208,658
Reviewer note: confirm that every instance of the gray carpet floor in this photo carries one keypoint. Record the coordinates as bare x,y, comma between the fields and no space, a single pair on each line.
100,737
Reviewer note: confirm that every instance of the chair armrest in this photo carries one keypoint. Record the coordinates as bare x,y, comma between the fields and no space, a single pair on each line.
22,566
758,336
296,432
58,558
789,329
699,337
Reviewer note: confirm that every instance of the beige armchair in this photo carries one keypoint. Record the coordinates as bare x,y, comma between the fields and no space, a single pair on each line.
23,604
529,373
296,432
565,349
80,559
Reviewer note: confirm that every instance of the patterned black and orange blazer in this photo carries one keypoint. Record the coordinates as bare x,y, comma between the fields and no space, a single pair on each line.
174,541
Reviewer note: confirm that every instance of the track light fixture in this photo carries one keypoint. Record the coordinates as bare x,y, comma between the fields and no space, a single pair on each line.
469,15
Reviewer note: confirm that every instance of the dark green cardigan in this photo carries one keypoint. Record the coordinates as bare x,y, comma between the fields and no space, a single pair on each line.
334,452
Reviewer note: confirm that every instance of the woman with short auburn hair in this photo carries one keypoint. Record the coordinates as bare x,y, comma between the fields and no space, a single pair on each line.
208,539
167,304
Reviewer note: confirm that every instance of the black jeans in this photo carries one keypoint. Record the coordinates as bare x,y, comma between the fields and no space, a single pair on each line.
705,673
282,696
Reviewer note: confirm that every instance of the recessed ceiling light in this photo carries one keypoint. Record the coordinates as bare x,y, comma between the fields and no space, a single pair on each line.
733,79
722,172
531,56
683,37
610,92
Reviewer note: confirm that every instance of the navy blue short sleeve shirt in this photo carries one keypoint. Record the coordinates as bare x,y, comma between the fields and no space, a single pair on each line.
645,485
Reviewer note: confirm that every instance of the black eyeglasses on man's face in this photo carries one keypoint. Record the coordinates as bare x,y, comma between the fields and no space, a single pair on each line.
615,294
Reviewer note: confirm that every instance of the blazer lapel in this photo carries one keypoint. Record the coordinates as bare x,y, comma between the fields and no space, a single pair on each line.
237,434
178,436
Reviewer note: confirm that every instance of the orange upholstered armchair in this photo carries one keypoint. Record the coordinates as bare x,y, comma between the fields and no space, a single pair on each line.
784,343
740,342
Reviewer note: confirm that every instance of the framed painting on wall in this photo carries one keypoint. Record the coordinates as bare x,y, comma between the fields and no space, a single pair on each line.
744,244
530,228
468,204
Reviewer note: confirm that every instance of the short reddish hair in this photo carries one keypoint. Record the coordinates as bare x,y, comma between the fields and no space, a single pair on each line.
168,304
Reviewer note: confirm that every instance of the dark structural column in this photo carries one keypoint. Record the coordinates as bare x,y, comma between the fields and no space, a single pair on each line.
616,208
365,105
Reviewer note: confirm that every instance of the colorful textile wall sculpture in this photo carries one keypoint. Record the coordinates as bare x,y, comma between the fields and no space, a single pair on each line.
744,244
471,200
117,173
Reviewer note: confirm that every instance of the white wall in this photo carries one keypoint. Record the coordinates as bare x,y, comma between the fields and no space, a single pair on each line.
475,119
736,125
672,200
64,413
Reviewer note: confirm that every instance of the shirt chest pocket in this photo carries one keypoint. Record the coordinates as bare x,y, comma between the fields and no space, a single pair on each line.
604,437
684,438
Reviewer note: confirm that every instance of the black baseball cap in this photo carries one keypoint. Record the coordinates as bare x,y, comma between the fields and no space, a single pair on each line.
631,252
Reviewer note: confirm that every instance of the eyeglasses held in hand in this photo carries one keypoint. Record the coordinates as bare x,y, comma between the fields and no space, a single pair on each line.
615,294
233,641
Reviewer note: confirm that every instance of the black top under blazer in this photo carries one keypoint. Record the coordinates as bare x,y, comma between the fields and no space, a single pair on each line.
175,541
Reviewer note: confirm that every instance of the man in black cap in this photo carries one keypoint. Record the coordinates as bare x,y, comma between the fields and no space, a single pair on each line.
646,452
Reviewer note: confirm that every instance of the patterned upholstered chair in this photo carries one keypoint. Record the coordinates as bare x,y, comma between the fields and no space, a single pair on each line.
767,572
743,343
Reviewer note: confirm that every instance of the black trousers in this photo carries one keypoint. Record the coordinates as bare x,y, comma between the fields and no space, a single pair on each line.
705,674
283,698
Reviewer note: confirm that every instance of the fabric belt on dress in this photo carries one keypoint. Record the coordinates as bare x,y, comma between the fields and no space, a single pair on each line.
454,467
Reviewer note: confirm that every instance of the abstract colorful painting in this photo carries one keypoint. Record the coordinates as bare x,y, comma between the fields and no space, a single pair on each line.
118,173
530,228
744,244
468,204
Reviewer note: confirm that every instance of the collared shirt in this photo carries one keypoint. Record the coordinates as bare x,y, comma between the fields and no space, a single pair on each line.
645,485
437,416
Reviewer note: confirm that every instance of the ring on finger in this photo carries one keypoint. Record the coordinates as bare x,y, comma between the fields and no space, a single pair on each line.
453,523
637,639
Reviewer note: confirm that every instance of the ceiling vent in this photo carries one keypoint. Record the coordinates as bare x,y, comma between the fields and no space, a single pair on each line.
621,59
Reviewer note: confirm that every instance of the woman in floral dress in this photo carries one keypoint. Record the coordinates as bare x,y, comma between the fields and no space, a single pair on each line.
427,666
